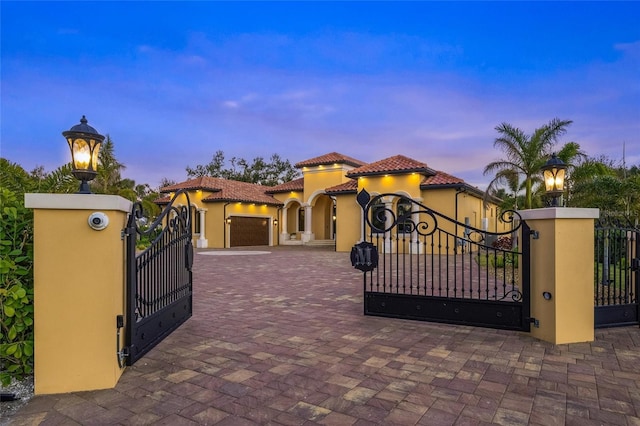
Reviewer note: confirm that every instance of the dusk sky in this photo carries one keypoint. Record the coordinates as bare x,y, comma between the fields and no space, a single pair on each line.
173,82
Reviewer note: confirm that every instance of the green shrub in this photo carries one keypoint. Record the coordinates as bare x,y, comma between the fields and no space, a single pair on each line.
16,288
498,259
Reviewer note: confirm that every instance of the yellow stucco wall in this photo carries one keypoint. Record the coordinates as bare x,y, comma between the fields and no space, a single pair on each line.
320,178
348,224
410,184
562,261
78,292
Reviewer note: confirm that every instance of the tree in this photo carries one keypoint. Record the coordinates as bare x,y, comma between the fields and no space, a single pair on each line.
505,186
269,173
18,181
167,182
599,183
108,180
526,154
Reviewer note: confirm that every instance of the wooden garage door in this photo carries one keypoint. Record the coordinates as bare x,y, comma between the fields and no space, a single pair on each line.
249,231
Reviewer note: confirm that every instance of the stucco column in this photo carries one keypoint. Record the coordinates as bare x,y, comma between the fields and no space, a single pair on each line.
308,234
79,275
388,243
284,233
202,241
562,273
415,247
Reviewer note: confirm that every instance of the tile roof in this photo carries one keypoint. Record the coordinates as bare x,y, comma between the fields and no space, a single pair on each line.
331,158
441,178
445,180
392,165
163,200
226,190
347,187
294,185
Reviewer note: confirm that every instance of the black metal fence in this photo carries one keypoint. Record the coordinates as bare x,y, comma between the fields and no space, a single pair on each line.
616,271
420,264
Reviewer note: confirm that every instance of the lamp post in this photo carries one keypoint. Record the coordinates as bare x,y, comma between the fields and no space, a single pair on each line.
554,172
84,143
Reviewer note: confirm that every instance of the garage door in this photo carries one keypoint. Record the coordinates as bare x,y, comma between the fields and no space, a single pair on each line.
249,231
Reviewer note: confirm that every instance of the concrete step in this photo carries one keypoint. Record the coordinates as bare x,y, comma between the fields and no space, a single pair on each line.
321,243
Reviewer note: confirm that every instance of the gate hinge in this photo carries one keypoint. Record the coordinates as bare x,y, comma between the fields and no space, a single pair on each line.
535,322
534,234
635,264
123,233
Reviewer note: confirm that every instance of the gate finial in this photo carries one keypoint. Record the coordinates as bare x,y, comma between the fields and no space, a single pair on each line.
363,198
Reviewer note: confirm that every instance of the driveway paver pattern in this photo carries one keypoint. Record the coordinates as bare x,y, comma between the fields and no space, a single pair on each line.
280,338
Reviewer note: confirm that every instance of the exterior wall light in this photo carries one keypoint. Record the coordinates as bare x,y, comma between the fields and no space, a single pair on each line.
275,222
553,172
84,143
228,220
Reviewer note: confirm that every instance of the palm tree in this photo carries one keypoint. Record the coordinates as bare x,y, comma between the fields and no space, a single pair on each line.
526,154
505,186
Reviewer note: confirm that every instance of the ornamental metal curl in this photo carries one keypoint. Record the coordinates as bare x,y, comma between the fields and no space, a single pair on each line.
377,211
388,217
174,218
516,295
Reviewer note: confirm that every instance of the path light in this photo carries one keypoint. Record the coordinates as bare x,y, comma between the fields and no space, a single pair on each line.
84,143
553,172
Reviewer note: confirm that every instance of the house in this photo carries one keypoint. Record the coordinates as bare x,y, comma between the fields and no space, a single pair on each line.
320,207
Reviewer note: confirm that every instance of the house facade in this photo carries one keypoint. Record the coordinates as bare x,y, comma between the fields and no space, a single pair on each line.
321,207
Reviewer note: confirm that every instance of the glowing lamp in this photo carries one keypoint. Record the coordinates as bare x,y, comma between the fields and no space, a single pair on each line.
554,172
84,143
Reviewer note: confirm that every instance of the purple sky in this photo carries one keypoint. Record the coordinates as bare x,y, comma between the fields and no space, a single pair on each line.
172,82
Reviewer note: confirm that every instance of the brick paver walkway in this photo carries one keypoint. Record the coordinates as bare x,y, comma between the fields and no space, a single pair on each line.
280,339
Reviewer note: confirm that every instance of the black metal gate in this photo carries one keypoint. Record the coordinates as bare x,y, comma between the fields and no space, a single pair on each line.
419,264
159,278
617,271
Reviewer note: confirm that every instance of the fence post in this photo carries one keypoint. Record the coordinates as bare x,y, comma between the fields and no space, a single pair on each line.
562,271
78,290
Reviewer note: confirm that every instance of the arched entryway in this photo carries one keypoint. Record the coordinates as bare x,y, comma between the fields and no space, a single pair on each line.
322,221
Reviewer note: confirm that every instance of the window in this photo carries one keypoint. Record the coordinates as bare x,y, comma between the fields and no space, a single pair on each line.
403,209
301,219
378,217
196,221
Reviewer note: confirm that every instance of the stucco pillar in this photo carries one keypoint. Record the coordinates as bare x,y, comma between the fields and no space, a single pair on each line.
284,233
308,233
79,276
562,273
415,246
388,243
202,241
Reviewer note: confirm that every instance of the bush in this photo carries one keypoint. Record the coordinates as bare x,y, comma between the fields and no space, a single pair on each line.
16,288
503,243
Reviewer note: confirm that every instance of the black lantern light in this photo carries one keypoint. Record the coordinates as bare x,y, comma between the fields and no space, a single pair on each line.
84,143
553,172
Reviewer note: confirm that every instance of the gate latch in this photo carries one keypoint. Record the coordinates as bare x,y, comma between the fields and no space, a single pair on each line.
364,256
635,264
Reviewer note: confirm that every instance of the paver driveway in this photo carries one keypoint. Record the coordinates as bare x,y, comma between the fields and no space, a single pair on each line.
280,338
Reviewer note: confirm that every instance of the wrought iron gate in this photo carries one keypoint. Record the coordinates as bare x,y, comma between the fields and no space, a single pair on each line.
617,273
159,278
419,264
